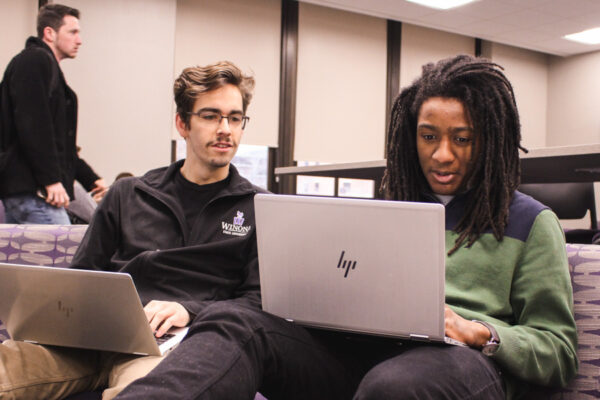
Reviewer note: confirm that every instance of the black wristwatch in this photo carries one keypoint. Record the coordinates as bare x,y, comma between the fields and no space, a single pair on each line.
491,346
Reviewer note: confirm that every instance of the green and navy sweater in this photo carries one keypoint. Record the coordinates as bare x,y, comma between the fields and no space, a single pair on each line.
521,286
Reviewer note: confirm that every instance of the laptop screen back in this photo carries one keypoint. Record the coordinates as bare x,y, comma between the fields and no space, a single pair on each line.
364,266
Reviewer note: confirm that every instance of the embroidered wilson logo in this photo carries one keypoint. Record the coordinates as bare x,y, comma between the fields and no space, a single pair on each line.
237,228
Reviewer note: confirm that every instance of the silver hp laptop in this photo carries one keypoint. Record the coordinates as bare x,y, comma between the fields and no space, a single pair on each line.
364,266
78,308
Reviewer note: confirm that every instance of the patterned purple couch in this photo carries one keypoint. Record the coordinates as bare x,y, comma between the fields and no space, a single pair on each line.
55,245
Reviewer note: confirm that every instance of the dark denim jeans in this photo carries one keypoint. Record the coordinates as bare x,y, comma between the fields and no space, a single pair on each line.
30,209
233,351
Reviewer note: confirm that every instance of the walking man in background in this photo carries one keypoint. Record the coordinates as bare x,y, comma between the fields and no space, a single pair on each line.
39,160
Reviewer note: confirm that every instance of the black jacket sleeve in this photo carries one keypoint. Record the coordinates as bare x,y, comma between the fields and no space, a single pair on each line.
99,244
84,174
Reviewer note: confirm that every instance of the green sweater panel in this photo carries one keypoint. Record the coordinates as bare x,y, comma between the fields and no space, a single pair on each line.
524,290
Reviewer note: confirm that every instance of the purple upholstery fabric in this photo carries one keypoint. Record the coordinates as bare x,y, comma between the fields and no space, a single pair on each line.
584,265
50,245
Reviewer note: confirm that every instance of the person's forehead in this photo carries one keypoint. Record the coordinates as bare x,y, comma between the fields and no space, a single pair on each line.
439,104
225,98
69,22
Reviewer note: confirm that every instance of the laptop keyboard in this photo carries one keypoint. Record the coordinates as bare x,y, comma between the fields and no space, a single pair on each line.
163,338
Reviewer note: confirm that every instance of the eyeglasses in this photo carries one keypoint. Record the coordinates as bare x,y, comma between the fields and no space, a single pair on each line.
213,119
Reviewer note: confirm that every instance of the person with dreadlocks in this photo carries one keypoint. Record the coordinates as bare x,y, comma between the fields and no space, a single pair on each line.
454,138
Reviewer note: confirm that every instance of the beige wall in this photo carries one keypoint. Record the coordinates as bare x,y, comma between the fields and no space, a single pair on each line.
124,72
423,45
245,32
17,22
123,78
528,73
340,114
573,106
574,100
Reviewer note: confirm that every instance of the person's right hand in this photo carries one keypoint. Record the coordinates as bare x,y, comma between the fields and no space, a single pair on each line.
56,195
162,315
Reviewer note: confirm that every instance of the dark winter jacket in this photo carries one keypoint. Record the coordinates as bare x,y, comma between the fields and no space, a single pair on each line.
43,121
141,230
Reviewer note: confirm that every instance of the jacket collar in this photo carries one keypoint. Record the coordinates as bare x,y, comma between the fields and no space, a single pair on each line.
160,178
33,41
156,183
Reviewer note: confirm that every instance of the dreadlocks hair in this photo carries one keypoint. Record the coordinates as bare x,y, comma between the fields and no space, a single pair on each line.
489,102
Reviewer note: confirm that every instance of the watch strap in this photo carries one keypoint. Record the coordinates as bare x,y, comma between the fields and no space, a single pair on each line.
491,346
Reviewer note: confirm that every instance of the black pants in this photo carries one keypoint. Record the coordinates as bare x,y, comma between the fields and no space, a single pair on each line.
233,351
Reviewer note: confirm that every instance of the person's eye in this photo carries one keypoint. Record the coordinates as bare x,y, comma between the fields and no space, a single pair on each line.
427,136
209,116
463,140
235,118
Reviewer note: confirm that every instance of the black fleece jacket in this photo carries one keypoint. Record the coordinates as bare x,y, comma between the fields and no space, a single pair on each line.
140,229
42,122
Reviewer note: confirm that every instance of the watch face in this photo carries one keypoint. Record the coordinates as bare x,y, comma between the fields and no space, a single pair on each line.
490,348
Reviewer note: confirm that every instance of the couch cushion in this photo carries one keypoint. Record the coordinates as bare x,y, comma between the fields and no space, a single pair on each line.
50,245
584,265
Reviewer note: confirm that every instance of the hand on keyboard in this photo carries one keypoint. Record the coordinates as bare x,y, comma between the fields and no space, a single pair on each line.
163,315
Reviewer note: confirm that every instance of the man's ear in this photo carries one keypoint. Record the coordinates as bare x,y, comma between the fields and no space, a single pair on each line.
180,125
49,35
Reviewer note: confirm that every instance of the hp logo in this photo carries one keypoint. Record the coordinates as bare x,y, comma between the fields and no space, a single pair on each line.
346,264
65,309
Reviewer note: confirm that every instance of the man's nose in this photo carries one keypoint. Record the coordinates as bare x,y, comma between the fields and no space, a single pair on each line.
224,127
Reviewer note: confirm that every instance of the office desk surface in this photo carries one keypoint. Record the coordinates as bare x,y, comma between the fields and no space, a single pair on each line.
543,165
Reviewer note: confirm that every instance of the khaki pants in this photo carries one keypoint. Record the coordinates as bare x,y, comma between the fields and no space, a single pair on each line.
30,371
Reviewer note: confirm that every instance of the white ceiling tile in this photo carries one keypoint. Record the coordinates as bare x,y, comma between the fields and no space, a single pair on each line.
526,18
522,3
558,28
531,24
566,47
449,20
568,8
588,21
524,36
487,9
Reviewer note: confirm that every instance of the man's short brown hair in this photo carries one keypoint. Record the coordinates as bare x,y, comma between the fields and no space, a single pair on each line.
52,15
194,81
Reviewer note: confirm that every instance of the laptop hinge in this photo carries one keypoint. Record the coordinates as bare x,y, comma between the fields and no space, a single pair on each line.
289,319
30,341
422,338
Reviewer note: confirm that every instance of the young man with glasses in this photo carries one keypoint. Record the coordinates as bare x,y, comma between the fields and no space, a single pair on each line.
185,234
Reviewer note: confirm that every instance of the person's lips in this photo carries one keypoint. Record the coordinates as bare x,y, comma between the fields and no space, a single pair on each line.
443,177
221,146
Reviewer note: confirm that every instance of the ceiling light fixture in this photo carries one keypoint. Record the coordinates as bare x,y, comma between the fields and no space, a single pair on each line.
442,4
590,36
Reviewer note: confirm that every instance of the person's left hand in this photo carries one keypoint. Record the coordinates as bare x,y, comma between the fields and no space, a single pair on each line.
99,190
471,333
163,315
